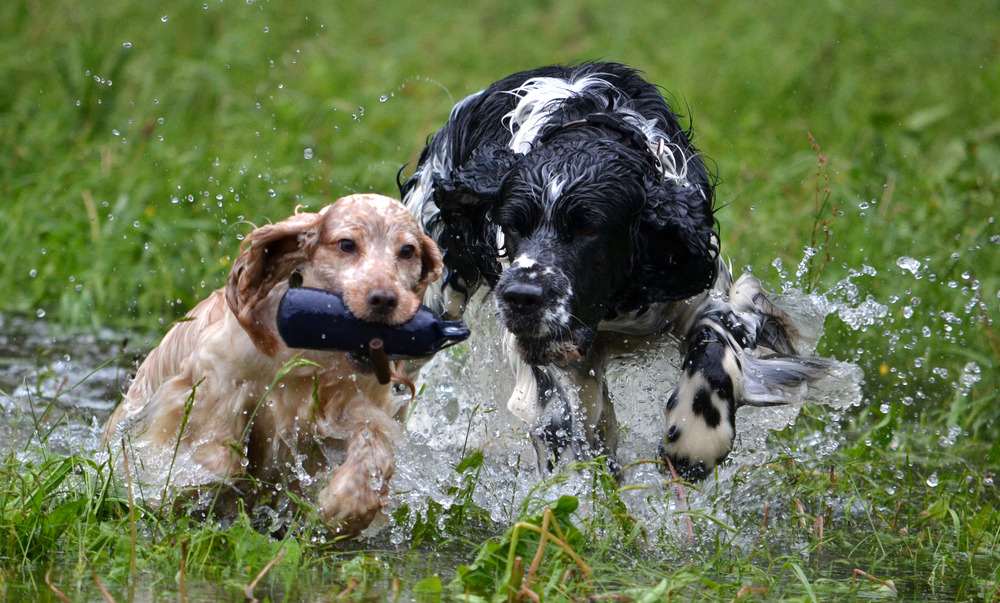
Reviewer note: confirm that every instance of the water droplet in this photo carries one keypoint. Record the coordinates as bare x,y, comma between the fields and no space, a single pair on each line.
33,273
307,153
971,374
932,480
164,18
40,313
383,98
127,45
909,264
136,224
271,193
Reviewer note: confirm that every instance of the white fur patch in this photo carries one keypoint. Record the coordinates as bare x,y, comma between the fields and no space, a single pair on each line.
539,97
555,189
523,401
525,262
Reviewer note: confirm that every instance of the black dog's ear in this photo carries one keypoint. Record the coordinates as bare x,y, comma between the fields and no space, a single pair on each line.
476,181
676,245
465,198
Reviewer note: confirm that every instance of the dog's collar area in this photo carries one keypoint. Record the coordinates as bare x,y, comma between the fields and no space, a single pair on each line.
608,121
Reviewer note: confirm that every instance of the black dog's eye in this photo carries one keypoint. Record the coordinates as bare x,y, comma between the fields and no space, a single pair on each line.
407,251
515,230
296,279
347,245
583,228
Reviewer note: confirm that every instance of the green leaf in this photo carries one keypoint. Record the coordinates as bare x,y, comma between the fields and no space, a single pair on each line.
472,461
428,589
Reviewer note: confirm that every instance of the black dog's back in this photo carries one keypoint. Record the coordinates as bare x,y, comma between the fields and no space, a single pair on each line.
477,121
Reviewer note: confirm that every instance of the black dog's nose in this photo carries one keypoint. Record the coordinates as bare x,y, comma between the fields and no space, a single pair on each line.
523,296
382,301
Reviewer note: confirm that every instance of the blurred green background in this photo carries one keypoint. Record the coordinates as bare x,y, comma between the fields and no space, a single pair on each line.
134,137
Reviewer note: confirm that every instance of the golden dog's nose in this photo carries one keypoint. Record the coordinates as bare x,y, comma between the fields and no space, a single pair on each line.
382,301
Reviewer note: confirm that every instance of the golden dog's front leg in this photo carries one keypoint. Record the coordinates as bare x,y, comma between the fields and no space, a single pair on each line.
358,488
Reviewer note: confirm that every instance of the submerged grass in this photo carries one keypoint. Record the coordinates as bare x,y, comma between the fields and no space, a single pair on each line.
859,151
842,530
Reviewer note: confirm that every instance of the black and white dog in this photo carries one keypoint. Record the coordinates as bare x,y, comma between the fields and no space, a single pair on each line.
577,197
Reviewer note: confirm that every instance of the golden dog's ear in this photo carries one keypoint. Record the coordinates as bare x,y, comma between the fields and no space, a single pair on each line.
268,256
431,262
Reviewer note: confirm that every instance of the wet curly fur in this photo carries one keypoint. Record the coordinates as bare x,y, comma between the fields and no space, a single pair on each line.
576,196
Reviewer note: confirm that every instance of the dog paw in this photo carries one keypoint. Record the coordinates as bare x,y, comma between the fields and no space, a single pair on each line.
359,487
349,503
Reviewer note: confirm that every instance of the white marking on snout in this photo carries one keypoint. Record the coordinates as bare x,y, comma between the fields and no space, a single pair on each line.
559,314
525,262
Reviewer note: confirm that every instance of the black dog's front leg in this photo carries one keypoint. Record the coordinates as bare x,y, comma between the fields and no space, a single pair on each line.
701,413
576,420
559,429
740,350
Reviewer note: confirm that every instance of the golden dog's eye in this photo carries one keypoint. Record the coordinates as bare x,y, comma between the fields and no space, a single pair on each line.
407,251
347,245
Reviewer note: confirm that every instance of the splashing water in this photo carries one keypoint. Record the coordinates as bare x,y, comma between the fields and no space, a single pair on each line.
463,406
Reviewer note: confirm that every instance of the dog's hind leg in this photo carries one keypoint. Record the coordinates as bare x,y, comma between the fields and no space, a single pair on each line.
775,373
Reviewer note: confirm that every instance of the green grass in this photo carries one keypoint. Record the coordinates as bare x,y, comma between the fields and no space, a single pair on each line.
139,141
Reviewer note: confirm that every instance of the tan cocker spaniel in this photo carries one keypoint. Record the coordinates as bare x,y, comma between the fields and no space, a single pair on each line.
224,409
